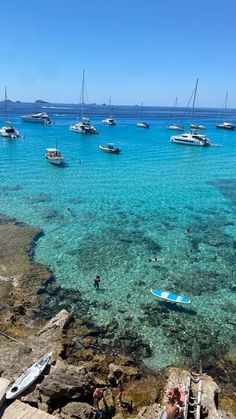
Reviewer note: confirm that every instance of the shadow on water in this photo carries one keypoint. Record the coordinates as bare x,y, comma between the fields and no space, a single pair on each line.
178,308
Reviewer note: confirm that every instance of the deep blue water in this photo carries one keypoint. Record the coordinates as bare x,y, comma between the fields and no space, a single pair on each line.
155,199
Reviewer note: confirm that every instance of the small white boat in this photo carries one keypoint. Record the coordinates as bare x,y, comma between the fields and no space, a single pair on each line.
176,127
109,148
54,156
142,124
191,138
28,377
201,127
9,131
38,118
226,125
109,121
84,127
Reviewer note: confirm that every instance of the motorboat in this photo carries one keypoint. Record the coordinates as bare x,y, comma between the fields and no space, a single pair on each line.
191,138
38,118
173,126
109,148
176,127
201,127
226,125
9,131
54,156
84,127
109,121
142,124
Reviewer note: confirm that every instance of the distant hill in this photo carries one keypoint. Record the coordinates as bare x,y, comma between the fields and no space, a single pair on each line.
41,101
8,101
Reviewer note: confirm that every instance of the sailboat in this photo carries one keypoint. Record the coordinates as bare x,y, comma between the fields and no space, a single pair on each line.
226,125
173,125
192,137
142,123
83,126
110,120
8,131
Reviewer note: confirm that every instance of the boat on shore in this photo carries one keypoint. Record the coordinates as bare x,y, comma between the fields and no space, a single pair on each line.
54,156
226,125
173,126
38,118
28,377
109,148
193,137
84,126
142,123
8,131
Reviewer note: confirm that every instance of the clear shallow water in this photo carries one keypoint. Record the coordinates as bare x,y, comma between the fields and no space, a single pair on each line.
126,209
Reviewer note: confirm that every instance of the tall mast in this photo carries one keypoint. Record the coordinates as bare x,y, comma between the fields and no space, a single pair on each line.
82,95
6,108
194,98
226,102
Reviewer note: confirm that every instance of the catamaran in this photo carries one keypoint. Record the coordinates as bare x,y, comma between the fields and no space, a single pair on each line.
84,126
8,130
226,125
192,138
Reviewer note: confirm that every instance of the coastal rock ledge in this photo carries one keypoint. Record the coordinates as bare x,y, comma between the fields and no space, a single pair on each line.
65,389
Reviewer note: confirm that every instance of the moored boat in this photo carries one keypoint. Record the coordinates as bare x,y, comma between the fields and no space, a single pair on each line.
142,123
8,131
226,125
201,127
84,126
38,118
173,126
54,156
176,127
191,138
109,148
28,377
110,120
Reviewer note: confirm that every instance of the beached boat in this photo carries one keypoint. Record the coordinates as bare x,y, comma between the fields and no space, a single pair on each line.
142,124
28,377
54,156
109,148
84,126
226,125
8,131
38,118
110,120
192,138
172,125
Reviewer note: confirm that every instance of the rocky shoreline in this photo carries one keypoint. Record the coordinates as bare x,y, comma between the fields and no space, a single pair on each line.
38,314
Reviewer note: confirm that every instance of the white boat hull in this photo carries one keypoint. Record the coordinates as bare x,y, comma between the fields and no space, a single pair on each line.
9,132
81,129
191,140
175,127
109,122
142,125
28,377
55,160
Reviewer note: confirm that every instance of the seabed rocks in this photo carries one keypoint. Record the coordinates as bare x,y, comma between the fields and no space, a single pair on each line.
32,326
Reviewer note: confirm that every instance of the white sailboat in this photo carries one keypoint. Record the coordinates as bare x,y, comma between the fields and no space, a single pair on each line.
173,126
8,131
84,126
226,125
192,138
110,120
142,123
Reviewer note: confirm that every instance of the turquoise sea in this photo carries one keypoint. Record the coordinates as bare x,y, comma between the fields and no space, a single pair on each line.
155,199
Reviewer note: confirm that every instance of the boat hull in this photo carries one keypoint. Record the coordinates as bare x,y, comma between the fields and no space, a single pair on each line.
229,128
36,120
141,125
191,141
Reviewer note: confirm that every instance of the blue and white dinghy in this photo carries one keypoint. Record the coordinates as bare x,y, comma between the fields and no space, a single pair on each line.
166,295
28,377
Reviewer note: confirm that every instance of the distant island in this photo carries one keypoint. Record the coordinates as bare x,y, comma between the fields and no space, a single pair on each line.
41,101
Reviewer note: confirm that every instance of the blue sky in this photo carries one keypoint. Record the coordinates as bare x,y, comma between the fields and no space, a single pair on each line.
131,50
